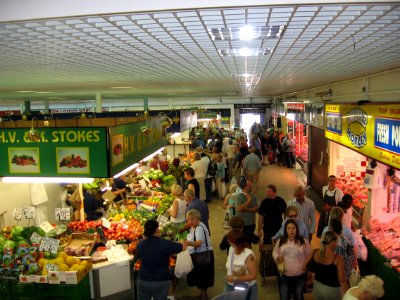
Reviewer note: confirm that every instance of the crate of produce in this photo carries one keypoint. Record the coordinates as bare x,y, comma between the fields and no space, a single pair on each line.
80,291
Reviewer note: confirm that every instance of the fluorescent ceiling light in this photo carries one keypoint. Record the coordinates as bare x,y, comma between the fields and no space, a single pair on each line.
128,169
244,52
43,92
26,92
121,87
246,33
48,179
245,75
136,164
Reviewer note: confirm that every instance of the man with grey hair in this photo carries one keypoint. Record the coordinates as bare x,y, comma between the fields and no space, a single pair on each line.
306,209
196,203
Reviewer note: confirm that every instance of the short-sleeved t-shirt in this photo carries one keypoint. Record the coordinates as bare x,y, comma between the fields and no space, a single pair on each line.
272,210
249,218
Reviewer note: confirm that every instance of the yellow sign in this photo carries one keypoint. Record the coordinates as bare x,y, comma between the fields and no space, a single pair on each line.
372,130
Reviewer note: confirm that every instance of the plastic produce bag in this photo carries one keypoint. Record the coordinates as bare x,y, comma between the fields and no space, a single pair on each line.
184,264
38,193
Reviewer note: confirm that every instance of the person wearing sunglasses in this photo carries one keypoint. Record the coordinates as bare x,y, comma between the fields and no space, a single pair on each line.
291,213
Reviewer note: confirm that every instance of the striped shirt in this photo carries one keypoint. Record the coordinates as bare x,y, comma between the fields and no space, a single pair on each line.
306,212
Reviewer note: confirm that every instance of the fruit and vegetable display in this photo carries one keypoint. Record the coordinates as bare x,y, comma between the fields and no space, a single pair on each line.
72,161
356,188
23,160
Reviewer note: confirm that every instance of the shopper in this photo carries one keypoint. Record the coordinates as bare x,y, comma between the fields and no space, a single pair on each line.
369,288
209,178
154,252
330,280
229,201
292,250
198,240
246,207
220,177
344,247
291,213
237,164
241,266
191,182
251,167
288,147
235,223
176,170
91,206
118,188
178,208
195,203
332,195
347,205
271,212
199,174
306,209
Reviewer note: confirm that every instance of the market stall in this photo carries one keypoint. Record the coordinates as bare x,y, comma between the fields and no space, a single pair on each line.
373,181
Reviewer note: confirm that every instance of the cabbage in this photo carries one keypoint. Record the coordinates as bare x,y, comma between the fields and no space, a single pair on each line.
9,244
16,232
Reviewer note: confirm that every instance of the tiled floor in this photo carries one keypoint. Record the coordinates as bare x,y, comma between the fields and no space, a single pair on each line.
285,180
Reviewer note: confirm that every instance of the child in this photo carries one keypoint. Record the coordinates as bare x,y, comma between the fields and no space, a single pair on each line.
229,202
220,177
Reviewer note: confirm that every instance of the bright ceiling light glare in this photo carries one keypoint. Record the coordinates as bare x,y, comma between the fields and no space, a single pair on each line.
43,92
26,92
244,52
247,52
247,33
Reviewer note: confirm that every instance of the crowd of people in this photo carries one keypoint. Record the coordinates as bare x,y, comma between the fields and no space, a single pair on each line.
283,228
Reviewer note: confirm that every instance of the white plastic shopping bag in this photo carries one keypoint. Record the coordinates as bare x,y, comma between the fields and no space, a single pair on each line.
184,264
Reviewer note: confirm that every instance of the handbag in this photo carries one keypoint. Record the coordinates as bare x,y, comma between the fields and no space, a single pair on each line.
205,258
183,265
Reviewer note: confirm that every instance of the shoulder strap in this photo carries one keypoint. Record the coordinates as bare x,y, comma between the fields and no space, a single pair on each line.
334,259
205,236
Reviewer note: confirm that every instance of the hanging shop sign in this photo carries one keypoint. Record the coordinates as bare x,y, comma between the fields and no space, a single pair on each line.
207,115
57,152
225,121
252,111
131,142
253,105
295,106
373,130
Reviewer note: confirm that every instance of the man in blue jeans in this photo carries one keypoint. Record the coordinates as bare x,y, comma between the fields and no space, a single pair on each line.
154,252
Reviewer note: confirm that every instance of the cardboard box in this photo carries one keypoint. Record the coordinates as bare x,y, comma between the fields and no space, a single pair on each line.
69,277
33,278
77,240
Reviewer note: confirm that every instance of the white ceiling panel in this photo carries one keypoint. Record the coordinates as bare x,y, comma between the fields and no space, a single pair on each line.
172,52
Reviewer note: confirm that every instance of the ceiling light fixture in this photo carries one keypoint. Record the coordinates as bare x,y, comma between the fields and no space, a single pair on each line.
245,51
247,33
26,91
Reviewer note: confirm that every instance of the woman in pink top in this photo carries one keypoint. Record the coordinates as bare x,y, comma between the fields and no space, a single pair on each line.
292,249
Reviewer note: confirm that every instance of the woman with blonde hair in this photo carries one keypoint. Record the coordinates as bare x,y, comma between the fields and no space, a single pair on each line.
369,288
330,280
178,207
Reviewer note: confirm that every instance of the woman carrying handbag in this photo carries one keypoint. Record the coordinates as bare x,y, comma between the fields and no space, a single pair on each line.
199,246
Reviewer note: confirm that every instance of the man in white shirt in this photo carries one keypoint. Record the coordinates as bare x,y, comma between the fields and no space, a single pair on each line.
306,209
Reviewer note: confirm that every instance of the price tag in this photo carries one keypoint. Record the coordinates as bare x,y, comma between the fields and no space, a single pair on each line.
35,238
29,212
106,223
17,214
49,245
142,183
63,214
46,226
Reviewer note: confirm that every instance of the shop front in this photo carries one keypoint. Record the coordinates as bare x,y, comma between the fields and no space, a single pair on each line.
365,156
47,244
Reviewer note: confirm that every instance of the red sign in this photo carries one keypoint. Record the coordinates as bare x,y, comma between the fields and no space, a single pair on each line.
295,106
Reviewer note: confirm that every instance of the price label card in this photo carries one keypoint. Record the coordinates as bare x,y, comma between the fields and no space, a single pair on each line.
63,214
18,214
49,245
106,223
46,226
142,183
35,238
29,212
